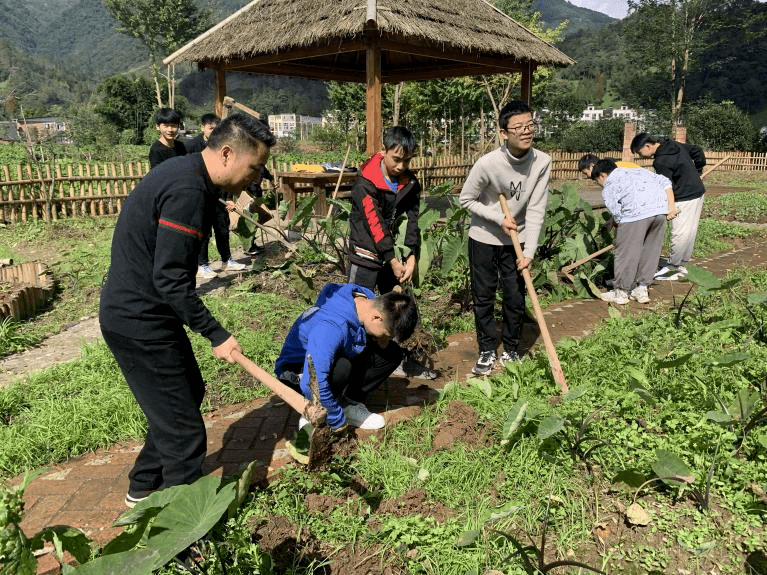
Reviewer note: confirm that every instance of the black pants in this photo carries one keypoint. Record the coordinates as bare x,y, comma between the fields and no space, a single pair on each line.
488,263
166,381
353,379
383,278
221,231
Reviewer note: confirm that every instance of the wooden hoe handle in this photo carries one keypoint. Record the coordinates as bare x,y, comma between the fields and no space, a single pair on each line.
556,368
288,395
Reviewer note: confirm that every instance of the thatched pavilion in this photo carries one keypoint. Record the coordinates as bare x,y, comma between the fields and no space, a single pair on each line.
369,41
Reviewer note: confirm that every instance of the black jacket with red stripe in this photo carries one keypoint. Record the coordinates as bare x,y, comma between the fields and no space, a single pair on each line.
150,290
375,209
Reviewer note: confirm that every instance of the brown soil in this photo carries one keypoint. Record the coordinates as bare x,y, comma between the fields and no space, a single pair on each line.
292,546
415,502
459,424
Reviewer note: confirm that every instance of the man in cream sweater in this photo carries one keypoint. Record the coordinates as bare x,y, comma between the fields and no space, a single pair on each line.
521,173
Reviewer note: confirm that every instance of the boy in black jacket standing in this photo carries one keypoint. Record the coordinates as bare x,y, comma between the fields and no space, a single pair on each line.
676,162
167,146
385,189
149,297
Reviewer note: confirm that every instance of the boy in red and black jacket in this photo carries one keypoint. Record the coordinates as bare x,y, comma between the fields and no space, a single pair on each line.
385,189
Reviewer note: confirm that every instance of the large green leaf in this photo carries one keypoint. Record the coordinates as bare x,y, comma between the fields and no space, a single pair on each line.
729,359
515,418
65,538
670,468
744,404
703,278
757,298
550,425
134,561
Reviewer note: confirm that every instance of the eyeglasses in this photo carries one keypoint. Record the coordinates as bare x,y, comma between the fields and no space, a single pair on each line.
529,127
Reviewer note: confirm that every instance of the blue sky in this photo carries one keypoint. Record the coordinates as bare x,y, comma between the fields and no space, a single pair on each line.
614,8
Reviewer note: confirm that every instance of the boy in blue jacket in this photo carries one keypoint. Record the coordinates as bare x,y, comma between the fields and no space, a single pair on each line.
338,331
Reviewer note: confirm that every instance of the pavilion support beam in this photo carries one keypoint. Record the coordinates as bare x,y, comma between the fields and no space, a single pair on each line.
218,99
373,98
527,83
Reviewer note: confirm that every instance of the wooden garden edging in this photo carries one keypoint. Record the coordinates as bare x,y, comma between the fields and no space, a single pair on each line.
99,189
31,287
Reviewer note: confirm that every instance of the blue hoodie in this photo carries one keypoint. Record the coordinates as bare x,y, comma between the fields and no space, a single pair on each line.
326,330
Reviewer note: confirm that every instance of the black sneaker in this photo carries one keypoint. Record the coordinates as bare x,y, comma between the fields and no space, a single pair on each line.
485,363
133,497
254,249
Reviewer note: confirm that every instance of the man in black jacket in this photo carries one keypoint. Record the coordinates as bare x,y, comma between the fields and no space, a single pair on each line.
149,296
674,160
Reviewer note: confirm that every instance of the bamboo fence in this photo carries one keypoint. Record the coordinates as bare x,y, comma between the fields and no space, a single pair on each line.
99,189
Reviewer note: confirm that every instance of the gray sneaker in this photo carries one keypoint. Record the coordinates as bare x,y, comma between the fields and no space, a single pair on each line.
508,356
639,294
485,363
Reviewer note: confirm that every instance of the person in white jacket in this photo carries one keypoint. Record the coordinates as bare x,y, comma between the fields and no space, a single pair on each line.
521,174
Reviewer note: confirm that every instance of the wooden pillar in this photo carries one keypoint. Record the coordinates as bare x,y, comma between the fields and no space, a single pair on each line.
527,82
218,98
629,130
373,99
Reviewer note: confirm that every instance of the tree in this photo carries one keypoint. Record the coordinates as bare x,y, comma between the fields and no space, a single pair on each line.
163,26
719,126
125,102
670,34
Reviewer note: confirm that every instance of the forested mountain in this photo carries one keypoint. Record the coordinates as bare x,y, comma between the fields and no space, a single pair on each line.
555,11
731,67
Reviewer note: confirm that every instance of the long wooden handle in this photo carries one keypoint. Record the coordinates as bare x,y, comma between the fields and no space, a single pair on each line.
290,396
556,368
253,221
588,258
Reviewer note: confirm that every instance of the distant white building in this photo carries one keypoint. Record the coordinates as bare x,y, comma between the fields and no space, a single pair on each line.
592,113
293,125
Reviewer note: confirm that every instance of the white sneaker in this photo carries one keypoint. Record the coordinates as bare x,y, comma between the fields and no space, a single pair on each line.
485,363
639,294
617,296
670,273
357,415
205,272
233,266
302,422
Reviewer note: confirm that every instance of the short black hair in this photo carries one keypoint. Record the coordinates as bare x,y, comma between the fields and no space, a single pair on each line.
208,119
400,314
241,129
604,166
512,108
167,116
587,161
643,138
399,137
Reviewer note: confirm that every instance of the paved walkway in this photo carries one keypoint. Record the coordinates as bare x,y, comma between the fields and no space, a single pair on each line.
87,492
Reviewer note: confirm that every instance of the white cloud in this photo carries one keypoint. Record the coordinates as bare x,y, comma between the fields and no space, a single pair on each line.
614,8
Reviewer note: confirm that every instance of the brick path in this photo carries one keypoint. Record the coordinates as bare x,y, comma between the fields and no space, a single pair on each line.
87,492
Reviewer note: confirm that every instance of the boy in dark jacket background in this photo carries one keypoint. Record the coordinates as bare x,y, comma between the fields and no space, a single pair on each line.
384,190
168,122
682,164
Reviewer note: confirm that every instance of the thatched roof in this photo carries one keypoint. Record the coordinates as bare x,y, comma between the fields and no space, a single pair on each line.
419,39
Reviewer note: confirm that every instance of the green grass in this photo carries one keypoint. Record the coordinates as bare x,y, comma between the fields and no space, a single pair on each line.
77,251
640,404
716,236
78,406
742,206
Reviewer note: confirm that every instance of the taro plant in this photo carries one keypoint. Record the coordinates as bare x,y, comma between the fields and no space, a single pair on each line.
577,435
157,529
571,231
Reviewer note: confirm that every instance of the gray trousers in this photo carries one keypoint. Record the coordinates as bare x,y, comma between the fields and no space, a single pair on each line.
684,228
637,249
